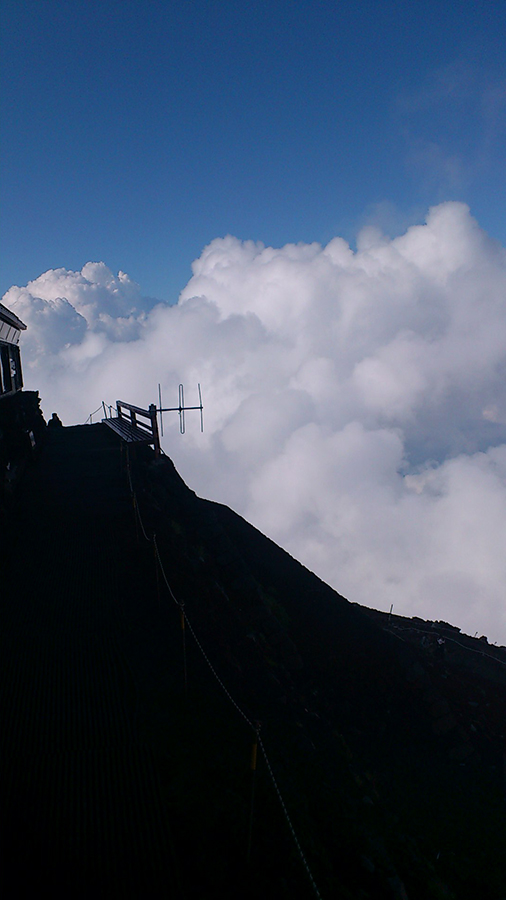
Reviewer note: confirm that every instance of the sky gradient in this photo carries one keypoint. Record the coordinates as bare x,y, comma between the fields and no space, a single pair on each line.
138,132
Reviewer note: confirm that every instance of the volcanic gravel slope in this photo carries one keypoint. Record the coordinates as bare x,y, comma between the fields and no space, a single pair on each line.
116,780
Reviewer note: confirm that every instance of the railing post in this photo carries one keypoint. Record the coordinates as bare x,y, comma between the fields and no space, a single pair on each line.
154,428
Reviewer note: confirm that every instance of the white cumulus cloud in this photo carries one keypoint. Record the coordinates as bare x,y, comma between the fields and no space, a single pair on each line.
355,404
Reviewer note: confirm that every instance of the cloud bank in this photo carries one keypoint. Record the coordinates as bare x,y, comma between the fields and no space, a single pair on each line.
354,401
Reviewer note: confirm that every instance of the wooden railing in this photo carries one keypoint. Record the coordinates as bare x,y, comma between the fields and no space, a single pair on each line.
135,425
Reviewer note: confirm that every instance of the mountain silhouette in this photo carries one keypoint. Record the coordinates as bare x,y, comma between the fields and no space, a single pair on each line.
127,740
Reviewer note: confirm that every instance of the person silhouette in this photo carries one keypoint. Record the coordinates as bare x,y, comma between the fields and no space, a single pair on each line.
55,421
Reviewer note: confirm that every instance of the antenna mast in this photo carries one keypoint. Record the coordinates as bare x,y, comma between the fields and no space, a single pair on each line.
181,409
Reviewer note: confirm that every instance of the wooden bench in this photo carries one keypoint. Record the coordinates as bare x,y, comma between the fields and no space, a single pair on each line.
130,429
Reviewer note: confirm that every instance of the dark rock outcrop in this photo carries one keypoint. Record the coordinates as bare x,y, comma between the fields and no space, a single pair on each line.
22,429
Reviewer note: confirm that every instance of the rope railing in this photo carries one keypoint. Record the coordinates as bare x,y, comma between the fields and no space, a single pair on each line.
141,523
90,417
254,726
103,407
288,819
444,636
218,679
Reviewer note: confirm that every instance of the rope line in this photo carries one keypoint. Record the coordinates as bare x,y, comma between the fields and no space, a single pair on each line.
480,652
218,679
141,523
92,414
254,726
171,592
445,638
102,407
288,819
199,645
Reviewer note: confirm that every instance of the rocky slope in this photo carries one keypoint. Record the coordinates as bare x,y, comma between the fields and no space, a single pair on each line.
125,765
387,734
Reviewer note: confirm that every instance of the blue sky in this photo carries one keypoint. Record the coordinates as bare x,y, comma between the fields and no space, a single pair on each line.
137,132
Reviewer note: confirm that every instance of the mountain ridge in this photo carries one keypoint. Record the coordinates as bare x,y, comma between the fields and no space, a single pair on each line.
386,746
393,702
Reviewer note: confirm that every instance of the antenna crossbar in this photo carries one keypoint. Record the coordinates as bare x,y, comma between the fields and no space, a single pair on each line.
177,408
181,409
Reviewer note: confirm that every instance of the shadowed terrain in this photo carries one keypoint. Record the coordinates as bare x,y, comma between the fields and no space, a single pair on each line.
385,735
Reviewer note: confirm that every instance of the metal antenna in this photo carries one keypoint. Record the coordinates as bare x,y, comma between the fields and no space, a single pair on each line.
201,411
181,409
160,405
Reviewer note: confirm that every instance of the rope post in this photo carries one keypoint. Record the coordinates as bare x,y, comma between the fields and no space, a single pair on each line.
183,631
254,755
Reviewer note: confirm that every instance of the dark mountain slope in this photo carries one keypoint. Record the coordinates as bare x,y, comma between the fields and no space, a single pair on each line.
387,747
396,739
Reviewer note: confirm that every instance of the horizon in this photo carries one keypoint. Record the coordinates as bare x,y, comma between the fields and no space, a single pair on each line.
354,401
